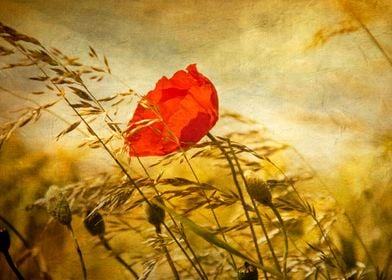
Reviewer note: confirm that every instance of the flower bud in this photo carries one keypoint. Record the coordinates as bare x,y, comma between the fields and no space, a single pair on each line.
259,190
57,205
248,272
5,241
94,223
155,214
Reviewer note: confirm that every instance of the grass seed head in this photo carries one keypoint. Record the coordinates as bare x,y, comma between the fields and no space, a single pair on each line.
259,190
5,240
57,205
95,224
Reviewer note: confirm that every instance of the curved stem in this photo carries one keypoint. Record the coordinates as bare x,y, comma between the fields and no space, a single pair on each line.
111,154
211,208
13,266
257,213
107,246
304,203
242,199
183,250
18,234
201,273
348,218
269,243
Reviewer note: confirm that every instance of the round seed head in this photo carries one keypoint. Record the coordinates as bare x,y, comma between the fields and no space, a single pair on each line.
259,190
248,272
57,205
155,215
94,223
5,240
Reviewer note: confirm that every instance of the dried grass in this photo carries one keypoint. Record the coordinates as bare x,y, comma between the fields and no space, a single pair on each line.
213,225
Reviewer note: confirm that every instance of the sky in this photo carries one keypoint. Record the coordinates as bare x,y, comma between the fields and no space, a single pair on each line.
315,73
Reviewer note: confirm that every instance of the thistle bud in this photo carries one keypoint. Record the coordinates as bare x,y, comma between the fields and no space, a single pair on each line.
154,213
94,223
5,240
259,190
248,272
57,205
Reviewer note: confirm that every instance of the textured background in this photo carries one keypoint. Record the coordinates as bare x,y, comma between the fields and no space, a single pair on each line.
307,69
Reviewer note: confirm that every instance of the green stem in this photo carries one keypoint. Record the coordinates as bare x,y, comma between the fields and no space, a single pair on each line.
329,243
211,208
106,148
286,242
257,212
236,183
269,243
201,272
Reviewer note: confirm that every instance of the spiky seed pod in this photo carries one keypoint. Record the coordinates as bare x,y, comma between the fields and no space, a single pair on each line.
5,240
259,190
155,214
248,272
94,223
57,205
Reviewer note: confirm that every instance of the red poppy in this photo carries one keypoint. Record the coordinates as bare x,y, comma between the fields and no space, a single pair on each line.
176,114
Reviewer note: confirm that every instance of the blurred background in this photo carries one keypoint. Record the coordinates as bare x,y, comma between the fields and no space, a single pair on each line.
316,74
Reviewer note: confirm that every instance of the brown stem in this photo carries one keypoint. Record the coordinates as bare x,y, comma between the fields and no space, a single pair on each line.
79,251
107,246
13,266
167,254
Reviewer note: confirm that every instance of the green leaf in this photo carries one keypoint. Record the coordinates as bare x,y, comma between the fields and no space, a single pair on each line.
211,238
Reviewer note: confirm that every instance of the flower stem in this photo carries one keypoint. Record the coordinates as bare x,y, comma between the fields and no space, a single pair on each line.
286,242
257,213
79,251
18,234
201,273
305,204
107,246
106,148
167,254
13,266
266,236
211,208
236,183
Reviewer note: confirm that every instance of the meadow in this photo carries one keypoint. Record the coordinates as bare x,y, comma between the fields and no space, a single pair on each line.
236,205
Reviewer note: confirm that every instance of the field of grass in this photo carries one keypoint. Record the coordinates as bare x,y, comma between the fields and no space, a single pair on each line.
238,204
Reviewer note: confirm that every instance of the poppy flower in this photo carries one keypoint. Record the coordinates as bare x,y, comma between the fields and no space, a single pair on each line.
175,115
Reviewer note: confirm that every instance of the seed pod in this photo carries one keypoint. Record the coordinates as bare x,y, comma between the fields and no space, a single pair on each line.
5,240
94,223
259,190
248,272
57,205
155,214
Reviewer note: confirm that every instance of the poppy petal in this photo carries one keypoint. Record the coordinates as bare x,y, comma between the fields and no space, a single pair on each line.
175,115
